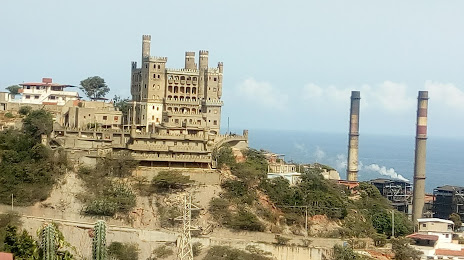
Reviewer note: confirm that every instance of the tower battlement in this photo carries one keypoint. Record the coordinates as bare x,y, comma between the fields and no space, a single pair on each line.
158,59
146,37
204,52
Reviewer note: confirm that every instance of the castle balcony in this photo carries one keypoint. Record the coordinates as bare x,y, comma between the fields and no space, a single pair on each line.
177,137
172,157
189,82
182,114
183,101
182,81
186,149
170,81
148,147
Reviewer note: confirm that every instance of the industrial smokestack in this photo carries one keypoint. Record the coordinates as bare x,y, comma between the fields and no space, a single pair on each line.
352,168
419,161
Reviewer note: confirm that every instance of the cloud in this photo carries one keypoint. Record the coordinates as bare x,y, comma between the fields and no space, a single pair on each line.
445,93
319,154
389,96
263,94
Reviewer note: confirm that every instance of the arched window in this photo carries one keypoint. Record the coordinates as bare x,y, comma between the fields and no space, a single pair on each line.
169,97
182,89
194,90
182,78
175,97
189,78
170,109
176,109
194,78
181,98
170,88
187,90
194,111
176,89
194,99
187,98
159,67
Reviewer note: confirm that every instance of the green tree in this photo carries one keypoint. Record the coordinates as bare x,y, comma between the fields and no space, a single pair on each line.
123,105
168,180
22,246
456,220
37,123
403,251
94,87
14,90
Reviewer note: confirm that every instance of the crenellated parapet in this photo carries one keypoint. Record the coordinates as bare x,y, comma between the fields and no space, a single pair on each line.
190,71
158,59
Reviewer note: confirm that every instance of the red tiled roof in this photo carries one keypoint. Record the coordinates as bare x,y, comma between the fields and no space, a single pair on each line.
448,252
6,256
423,237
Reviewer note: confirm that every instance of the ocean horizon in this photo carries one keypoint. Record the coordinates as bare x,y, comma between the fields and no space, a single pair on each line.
380,156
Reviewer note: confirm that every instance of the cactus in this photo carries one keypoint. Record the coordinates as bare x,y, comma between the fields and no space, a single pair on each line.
99,241
48,242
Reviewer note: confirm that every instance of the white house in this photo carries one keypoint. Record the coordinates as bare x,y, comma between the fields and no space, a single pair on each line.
45,92
435,239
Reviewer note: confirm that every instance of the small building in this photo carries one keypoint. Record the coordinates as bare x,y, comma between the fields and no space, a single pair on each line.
435,239
292,177
46,93
91,114
448,199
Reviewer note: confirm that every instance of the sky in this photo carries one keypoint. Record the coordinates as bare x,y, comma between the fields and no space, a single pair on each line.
288,65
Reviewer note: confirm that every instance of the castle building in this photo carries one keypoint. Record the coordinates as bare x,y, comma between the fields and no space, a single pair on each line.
176,99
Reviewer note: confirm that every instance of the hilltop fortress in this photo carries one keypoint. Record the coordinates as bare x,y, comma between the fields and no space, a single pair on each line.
174,120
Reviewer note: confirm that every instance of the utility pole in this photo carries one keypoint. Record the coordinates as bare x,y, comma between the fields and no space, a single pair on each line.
185,244
228,132
12,202
393,223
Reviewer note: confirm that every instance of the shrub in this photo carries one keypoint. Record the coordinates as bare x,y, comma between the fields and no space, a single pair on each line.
9,115
281,241
245,220
224,156
219,209
117,198
163,252
168,180
239,191
346,253
228,253
403,251
196,248
123,251
118,165
25,110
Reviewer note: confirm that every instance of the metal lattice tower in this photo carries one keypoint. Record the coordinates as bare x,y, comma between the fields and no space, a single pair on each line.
185,245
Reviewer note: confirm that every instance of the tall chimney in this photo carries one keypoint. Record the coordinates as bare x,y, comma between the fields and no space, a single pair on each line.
352,169
419,161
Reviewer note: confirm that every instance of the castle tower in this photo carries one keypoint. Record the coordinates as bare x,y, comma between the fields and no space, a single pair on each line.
146,41
190,60
203,59
352,167
420,156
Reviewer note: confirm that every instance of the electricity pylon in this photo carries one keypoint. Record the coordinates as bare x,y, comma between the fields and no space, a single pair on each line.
185,246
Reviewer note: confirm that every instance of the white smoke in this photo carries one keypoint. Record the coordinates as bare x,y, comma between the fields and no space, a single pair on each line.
384,171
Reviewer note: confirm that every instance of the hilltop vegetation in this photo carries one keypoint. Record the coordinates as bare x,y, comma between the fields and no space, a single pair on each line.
28,169
364,213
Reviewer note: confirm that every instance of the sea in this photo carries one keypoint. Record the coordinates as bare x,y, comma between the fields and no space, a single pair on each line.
380,156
